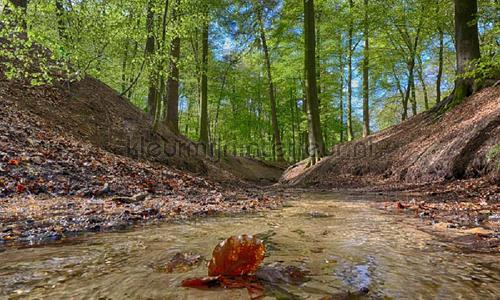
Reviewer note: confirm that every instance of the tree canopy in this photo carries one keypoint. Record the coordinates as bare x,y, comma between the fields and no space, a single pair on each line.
257,77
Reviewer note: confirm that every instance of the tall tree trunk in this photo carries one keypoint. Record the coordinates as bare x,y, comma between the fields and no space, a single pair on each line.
161,97
305,134
409,85
341,104
272,96
401,93
413,93
316,146
467,44
131,79
204,88
441,60
124,65
422,82
366,70
150,49
293,109
172,117
318,55
350,135
440,67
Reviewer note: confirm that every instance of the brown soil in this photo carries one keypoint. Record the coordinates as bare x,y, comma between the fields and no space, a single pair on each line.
65,167
93,112
426,148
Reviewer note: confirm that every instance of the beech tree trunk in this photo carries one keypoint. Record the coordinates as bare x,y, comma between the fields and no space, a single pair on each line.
341,102
172,117
422,82
366,70
350,135
272,97
440,66
150,49
441,59
467,44
316,146
204,88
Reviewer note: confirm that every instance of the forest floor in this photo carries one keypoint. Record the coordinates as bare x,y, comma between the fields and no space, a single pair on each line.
66,166
54,183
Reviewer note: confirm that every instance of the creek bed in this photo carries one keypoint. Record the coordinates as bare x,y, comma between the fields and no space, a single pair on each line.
351,250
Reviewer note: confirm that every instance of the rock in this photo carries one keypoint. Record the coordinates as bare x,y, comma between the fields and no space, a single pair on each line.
181,262
278,273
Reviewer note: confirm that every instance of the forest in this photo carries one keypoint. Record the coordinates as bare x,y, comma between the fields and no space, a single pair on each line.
232,72
327,149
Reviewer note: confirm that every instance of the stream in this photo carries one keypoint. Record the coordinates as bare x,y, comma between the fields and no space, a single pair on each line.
351,249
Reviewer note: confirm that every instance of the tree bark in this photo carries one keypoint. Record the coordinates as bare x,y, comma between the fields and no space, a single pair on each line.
316,146
272,97
413,93
124,65
440,66
293,108
422,82
318,55
366,70
341,102
150,48
467,44
204,88
172,117
350,135
440,57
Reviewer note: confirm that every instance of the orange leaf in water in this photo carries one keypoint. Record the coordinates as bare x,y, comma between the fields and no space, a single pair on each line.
237,256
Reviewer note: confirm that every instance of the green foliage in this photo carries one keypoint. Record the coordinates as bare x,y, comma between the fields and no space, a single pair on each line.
106,39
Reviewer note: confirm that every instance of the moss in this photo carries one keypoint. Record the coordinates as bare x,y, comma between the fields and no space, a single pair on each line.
494,155
459,94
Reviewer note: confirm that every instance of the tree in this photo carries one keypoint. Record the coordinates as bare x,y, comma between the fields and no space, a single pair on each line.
316,148
350,134
204,86
440,55
172,105
272,95
467,45
150,49
366,70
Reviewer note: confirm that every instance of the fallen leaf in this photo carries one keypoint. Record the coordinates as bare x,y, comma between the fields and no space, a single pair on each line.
204,282
20,188
237,256
14,162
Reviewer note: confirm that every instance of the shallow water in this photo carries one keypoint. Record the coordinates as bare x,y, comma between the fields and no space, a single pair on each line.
356,247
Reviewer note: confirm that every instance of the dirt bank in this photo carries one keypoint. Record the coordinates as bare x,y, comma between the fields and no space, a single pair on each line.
94,113
65,167
426,148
